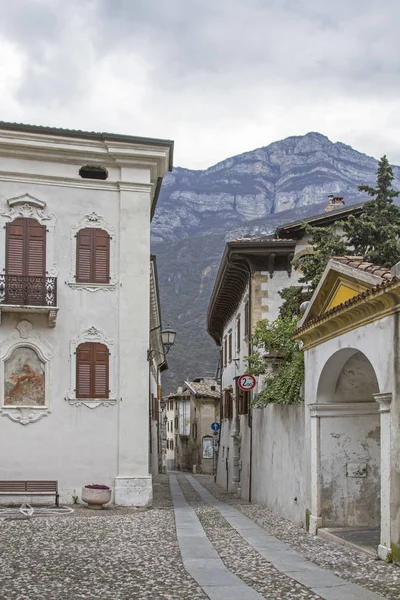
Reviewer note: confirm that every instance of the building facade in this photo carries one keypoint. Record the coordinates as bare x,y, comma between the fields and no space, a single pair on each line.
190,438
75,212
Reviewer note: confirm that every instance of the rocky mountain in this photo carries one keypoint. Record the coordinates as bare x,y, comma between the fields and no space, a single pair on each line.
249,194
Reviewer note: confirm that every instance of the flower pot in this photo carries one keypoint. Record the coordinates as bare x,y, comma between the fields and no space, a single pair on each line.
95,498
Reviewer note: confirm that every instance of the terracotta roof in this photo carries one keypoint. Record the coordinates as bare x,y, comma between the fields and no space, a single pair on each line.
357,262
266,238
203,387
376,289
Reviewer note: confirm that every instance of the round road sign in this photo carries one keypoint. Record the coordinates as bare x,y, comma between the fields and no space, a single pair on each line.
247,382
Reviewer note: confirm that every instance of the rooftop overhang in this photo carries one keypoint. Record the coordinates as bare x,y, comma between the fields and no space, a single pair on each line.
295,230
129,153
240,259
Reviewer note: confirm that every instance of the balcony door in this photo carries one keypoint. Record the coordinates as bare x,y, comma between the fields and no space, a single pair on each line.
25,262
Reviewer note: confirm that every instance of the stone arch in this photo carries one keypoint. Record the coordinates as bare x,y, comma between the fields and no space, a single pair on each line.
348,450
347,375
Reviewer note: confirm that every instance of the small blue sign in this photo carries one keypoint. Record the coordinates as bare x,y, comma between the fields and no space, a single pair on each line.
215,426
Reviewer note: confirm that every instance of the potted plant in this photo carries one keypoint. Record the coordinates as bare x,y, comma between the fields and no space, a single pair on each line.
95,495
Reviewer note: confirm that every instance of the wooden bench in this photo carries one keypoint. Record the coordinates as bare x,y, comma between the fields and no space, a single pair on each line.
30,488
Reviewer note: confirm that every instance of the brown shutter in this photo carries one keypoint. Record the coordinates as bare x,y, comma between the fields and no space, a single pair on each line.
92,256
84,256
84,371
100,383
101,244
15,243
92,361
35,249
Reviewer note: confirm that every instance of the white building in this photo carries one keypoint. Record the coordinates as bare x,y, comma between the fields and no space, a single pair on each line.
75,212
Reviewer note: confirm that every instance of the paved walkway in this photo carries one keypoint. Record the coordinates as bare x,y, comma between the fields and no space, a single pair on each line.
204,565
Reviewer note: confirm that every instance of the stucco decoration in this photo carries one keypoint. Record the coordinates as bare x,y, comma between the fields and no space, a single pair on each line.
26,199
92,335
96,222
29,207
24,366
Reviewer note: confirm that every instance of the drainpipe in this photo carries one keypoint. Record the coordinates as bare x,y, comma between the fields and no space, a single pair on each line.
250,415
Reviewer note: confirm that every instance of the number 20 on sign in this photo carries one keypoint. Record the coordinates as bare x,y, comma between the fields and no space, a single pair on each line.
247,382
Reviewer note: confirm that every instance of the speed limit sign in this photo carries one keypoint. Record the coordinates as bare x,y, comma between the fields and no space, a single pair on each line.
247,382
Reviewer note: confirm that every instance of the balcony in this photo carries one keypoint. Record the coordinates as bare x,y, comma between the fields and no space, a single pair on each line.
20,293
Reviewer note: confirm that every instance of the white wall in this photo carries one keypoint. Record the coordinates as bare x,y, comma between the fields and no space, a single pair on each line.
77,444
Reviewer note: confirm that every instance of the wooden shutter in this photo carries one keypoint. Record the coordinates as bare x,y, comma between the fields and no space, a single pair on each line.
246,320
92,371
84,371
92,256
35,259
15,243
26,248
101,266
84,256
238,334
100,383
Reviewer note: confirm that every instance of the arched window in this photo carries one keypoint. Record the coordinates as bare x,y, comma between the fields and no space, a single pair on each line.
92,370
92,256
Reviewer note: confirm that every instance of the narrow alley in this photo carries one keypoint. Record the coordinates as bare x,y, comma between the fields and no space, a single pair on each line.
196,542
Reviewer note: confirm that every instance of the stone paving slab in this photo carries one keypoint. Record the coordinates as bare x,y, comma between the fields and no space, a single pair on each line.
209,571
282,557
351,564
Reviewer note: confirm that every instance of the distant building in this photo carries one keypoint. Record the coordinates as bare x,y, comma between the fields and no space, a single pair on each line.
191,412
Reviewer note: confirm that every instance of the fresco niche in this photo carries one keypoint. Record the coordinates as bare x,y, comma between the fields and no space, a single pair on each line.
24,379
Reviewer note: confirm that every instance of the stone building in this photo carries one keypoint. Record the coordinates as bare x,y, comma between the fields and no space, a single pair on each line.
195,406
261,451
75,212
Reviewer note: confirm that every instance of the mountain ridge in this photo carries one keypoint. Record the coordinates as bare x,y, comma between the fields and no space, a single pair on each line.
249,194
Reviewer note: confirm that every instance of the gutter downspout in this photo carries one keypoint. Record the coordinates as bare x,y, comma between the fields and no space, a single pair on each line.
250,415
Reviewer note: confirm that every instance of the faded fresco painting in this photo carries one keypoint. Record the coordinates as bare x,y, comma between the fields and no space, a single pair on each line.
24,379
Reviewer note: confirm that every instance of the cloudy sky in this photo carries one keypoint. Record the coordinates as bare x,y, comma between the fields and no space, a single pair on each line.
218,76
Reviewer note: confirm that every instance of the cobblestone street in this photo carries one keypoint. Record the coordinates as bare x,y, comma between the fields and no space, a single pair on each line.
124,554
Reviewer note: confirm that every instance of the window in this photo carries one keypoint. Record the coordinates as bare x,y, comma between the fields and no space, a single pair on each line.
246,320
171,444
167,444
26,248
92,370
171,425
242,398
238,333
194,431
92,256
225,351
93,172
176,422
230,346
228,404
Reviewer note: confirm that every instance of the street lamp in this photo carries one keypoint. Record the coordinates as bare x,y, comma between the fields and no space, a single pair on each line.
168,336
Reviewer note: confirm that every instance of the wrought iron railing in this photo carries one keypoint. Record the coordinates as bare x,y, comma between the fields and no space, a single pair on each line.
28,291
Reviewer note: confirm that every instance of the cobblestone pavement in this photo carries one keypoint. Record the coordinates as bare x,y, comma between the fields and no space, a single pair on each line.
354,566
239,557
114,554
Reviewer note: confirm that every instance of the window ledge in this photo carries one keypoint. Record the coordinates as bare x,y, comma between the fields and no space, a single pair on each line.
51,311
92,402
93,287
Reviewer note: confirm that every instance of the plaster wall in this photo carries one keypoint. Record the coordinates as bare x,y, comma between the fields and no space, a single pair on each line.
350,446
278,460
76,444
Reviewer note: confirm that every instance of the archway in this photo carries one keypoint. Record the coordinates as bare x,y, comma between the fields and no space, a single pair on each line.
349,441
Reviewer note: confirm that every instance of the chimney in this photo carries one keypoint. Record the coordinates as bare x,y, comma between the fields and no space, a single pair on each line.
334,202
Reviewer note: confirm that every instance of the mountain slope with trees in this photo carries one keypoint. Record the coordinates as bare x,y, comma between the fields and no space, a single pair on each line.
246,195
